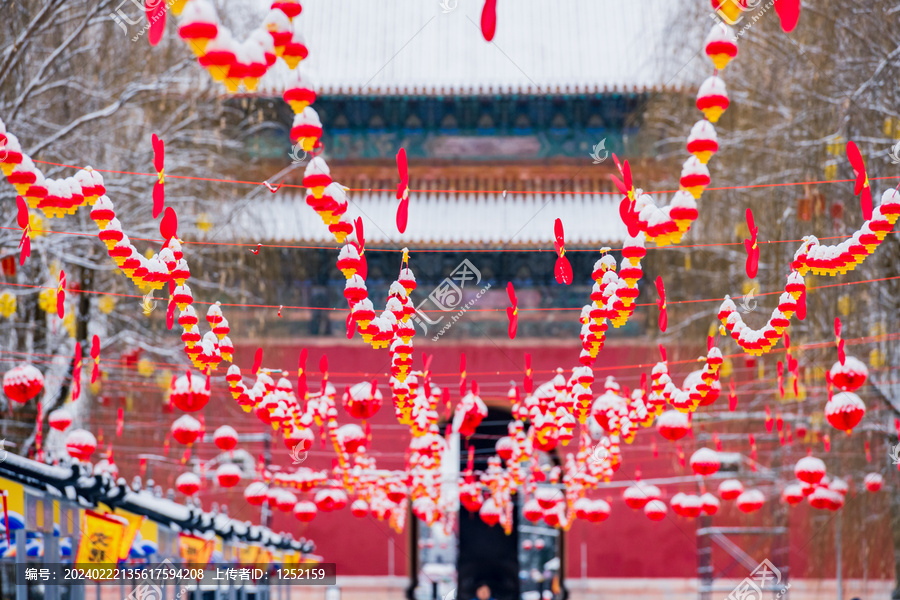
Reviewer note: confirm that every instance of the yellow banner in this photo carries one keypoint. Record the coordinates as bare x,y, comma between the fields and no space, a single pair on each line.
264,558
133,524
248,555
195,551
101,538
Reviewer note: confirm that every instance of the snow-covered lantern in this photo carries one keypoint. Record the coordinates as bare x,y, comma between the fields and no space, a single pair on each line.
694,177
709,504
305,511
504,447
702,141
225,438
291,8
721,45
809,469
705,461
219,55
80,444
840,486
285,501
844,411
22,383
873,482
490,512
228,475
655,510
598,511
102,212
673,425
849,376
255,493
330,499
637,495
712,98
186,430
60,419
295,50
792,494
307,130
363,400
532,511
188,484
317,175
189,393
750,501
299,94
730,489
198,25
359,508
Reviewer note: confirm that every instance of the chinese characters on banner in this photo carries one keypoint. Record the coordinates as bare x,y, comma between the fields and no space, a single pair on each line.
195,551
101,539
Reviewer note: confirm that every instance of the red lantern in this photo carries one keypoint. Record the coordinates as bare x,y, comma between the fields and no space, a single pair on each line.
844,411
532,511
328,500
504,447
188,484
189,397
709,504
22,383
489,512
285,501
673,425
186,429
255,493
705,461
80,444
228,475
809,469
691,506
655,510
351,437
792,494
598,511
60,419
873,482
750,501
849,376
359,508
730,489
469,496
638,495
548,497
305,511
363,400
225,438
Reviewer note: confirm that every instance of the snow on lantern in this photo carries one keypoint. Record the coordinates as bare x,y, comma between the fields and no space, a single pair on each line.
255,493
278,25
60,419
823,498
80,444
228,475
840,486
186,429
351,437
705,461
504,447
809,469
299,94
730,489
873,482
532,511
198,25
712,99
363,400
694,177
702,141
750,501
673,425
11,154
655,510
349,261
307,130
294,52
468,415
490,512
189,393
598,511
844,411
330,499
317,175
22,383
849,376
792,494
637,495
188,484
225,438
691,506
284,500
219,55
305,511
359,508
709,504
721,45
102,212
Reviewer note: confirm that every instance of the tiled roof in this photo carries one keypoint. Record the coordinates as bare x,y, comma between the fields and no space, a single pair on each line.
400,47
445,219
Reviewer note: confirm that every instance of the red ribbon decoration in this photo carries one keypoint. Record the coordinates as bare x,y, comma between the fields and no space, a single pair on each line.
840,341
462,373
789,13
76,372
120,421
257,361
159,190
95,354
862,188
489,19
61,295
22,220
360,244
732,397
402,192
661,303
752,247
301,378
563,269
780,369
512,312
156,16
529,382
168,225
626,206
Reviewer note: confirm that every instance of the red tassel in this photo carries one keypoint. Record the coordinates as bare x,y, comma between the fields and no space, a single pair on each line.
120,421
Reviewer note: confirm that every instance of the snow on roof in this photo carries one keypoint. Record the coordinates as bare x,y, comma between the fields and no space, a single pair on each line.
414,47
437,218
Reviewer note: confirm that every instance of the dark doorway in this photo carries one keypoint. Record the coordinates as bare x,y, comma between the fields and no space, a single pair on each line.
487,554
